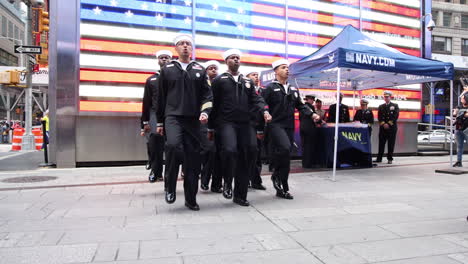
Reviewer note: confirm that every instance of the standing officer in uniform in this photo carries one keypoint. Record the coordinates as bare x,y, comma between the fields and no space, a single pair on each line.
318,109
155,142
184,101
388,116
365,115
256,170
234,97
282,99
210,159
343,113
309,136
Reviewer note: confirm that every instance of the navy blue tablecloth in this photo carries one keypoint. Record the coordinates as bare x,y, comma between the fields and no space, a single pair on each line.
354,147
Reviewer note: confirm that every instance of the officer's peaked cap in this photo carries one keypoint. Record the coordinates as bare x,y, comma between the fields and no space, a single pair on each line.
387,93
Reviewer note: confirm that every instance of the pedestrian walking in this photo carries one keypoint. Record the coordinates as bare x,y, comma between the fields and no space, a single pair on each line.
184,101
255,119
211,161
234,97
461,127
154,141
283,99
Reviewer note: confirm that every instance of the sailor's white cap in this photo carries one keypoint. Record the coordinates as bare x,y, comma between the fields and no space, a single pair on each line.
230,52
181,37
212,63
279,62
163,52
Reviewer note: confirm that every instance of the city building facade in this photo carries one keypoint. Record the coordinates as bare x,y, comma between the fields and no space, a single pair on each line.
12,32
449,43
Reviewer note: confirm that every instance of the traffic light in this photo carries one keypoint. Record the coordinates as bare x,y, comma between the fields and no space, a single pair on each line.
43,21
43,58
10,77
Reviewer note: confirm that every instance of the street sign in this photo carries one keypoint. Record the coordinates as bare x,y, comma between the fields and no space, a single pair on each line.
28,49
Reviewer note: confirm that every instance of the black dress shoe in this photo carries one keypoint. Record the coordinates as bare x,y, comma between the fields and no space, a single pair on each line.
216,190
377,161
241,202
390,162
288,196
170,197
458,164
284,195
258,186
204,187
227,192
276,184
152,177
193,207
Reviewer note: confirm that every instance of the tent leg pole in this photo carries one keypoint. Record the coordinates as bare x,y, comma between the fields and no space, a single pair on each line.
354,101
431,115
451,122
335,150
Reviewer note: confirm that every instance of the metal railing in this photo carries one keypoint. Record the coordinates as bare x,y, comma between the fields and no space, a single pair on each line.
438,138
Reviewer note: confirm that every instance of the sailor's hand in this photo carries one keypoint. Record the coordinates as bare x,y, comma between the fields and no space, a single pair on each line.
267,117
315,117
160,131
203,118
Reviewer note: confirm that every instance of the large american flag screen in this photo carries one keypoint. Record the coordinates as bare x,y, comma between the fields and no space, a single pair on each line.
119,39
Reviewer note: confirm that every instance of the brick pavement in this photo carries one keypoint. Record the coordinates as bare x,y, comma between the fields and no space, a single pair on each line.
399,214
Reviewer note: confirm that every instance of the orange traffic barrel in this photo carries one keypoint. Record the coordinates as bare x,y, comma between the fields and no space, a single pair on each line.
17,139
38,139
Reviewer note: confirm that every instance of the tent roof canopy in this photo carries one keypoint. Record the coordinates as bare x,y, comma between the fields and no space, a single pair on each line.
365,64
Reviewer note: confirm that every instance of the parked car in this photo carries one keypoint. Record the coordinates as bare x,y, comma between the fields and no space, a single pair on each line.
435,136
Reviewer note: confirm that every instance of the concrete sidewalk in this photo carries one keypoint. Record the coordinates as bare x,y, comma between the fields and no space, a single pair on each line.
400,214
19,160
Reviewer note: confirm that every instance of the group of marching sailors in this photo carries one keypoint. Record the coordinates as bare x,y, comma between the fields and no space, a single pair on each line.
212,125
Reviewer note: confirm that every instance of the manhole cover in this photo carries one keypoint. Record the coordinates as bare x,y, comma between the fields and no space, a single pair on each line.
29,179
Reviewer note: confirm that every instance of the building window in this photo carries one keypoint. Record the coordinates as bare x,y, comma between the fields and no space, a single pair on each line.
464,21
447,19
21,37
442,45
465,47
16,32
13,60
10,29
463,2
4,26
435,16
7,59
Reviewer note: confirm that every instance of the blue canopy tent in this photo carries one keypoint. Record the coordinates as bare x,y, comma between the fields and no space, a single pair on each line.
354,61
